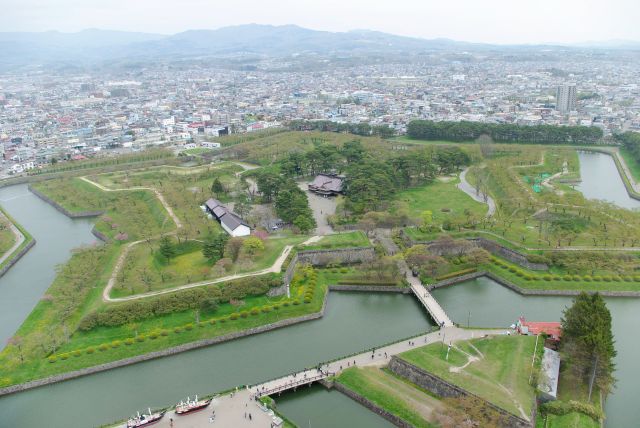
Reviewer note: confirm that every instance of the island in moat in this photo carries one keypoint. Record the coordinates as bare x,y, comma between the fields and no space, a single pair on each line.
254,239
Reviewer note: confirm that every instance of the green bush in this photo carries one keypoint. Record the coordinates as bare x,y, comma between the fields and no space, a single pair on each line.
140,338
344,270
566,277
564,407
616,278
285,303
276,307
52,359
266,309
64,356
115,344
547,277
244,314
557,277
454,274
103,347
597,278
90,350
307,301
636,278
606,278
296,302
128,341
177,329
627,278
255,311
519,273
577,277
153,335
164,333
234,316
223,320
212,322
76,353
587,278
528,277
512,269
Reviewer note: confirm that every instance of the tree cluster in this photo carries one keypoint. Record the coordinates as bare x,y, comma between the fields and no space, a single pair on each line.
587,341
361,128
195,298
630,141
505,133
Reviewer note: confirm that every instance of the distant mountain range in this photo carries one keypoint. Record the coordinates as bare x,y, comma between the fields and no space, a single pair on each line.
89,46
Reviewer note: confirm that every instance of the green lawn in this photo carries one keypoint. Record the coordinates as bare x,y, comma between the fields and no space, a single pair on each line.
198,151
356,238
502,362
146,270
36,365
7,238
634,165
392,394
357,275
570,420
443,199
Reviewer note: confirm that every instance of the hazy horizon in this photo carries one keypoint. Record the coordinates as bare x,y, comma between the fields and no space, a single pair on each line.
491,21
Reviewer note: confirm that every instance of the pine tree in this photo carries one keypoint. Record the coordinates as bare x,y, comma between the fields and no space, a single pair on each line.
167,249
588,341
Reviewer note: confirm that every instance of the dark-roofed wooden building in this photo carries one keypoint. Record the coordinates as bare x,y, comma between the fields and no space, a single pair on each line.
230,221
327,184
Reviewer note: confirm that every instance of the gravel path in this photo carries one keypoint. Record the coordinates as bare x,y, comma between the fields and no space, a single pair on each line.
476,196
19,239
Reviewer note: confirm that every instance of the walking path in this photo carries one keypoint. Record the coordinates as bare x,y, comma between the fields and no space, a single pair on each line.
164,203
428,301
476,195
634,185
19,239
276,267
230,409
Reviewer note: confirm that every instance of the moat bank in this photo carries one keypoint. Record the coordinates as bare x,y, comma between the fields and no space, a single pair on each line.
56,235
488,304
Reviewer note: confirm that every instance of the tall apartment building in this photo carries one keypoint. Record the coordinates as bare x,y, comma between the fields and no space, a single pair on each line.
566,98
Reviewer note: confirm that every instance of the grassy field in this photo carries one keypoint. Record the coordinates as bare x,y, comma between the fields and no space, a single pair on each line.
27,237
358,275
443,199
355,238
7,238
498,368
146,270
634,165
394,395
105,344
138,213
198,151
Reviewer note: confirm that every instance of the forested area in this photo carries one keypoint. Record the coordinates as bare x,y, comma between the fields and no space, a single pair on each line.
504,133
369,180
362,128
631,142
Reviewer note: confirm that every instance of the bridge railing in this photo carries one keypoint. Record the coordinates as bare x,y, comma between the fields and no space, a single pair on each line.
295,384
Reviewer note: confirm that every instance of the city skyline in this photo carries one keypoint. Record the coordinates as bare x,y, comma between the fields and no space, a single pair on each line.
494,21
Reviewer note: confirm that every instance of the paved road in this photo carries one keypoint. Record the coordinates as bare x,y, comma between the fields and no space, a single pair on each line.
19,239
476,196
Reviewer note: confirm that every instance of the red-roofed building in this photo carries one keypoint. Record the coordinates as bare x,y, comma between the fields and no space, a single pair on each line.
551,329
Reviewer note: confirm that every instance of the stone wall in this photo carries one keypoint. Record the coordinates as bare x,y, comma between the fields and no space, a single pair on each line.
371,288
338,255
445,389
371,406
492,247
14,259
507,253
325,257
163,353
62,209
101,236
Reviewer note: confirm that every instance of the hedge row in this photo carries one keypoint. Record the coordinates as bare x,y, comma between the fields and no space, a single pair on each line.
565,277
385,283
137,310
155,334
564,407
456,273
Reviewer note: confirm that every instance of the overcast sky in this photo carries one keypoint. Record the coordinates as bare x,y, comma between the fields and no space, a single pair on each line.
494,21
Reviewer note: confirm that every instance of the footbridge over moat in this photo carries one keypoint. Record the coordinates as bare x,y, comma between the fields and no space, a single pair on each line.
233,409
426,298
